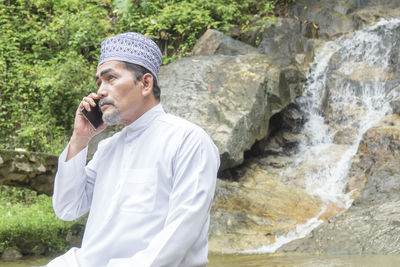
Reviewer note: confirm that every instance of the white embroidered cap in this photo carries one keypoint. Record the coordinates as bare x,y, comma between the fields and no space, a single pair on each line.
134,48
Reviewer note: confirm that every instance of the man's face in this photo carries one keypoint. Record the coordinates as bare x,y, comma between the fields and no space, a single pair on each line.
122,100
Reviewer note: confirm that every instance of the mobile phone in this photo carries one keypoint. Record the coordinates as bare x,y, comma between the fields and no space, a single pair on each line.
94,116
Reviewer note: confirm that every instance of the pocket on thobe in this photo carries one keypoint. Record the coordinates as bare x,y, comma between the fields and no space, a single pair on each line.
139,190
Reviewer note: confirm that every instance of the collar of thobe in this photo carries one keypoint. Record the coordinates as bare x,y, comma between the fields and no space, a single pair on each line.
143,122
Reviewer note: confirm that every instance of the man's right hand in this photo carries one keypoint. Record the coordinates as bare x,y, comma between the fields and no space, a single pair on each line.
83,130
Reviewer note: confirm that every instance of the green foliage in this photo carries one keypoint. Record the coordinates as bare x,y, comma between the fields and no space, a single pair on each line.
27,219
49,51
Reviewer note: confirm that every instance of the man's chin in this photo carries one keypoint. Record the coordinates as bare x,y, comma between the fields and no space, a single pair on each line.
111,117
110,121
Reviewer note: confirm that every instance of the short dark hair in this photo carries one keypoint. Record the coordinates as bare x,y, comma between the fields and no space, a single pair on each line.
138,72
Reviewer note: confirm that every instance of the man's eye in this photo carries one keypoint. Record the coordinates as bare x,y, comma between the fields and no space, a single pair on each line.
111,77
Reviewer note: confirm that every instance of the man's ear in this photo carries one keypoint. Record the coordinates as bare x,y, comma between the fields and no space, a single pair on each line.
147,81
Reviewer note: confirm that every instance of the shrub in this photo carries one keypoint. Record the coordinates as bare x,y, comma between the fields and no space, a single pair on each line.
47,54
27,221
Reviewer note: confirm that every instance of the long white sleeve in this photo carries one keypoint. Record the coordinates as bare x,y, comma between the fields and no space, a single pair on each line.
193,189
73,187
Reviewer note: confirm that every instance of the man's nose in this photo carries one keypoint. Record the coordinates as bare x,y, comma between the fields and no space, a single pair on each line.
102,91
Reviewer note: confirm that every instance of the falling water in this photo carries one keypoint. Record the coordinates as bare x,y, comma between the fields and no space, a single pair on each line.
348,90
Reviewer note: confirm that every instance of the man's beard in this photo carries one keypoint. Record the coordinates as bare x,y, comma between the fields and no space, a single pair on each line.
111,117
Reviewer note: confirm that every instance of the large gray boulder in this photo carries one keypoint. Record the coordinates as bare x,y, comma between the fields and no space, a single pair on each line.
231,97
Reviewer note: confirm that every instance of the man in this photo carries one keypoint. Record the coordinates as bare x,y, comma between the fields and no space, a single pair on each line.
148,188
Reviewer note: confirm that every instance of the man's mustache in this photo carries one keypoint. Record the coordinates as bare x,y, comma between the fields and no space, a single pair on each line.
105,101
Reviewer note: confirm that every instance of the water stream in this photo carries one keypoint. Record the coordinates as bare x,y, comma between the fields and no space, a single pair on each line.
266,260
348,90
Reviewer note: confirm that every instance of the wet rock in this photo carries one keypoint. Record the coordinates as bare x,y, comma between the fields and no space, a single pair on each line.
370,226
395,93
11,254
213,42
396,105
378,162
346,135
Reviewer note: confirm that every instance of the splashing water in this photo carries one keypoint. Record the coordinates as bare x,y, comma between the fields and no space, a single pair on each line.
347,96
348,90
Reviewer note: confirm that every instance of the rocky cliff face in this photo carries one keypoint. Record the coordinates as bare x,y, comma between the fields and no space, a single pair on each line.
369,226
263,204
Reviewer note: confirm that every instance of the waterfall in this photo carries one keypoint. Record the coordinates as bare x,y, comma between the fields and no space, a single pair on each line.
356,100
348,90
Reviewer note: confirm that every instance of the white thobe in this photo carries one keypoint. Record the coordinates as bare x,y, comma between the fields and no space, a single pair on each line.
149,190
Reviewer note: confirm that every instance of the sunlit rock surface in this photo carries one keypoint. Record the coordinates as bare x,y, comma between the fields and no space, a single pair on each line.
248,214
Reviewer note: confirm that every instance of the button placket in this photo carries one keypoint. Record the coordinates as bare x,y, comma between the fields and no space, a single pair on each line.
121,180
